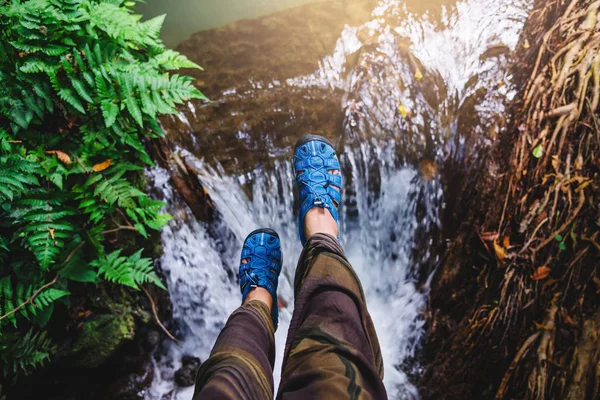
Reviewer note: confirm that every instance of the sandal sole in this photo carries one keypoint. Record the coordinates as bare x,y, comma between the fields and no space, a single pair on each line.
309,138
262,230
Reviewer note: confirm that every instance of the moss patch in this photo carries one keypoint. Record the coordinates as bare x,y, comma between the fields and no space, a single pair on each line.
101,337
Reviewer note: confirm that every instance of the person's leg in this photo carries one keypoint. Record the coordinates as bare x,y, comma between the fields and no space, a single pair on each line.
332,351
241,363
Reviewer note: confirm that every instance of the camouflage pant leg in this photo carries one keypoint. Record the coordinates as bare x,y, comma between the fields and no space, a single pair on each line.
241,362
332,351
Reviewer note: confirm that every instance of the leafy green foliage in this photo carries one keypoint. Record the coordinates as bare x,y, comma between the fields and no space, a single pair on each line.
21,355
130,271
83,82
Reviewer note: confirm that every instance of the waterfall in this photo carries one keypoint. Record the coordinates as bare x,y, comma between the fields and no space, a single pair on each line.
377,239
389,207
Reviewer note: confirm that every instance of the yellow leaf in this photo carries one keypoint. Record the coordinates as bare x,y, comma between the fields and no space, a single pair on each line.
526,45
555,163
403,111
541,273
500,251
583,186
102,166
418,75
64,157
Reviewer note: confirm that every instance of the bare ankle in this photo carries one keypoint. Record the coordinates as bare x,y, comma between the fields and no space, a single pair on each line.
319,220
261,295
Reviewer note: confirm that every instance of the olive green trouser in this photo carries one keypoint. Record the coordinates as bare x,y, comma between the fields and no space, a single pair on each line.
332,351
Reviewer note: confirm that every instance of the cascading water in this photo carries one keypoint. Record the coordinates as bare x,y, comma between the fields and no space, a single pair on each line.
389,206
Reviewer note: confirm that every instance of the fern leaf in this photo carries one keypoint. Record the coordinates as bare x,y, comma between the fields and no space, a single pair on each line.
7,304
49,296
134,110
129,271
33,66
172,60
69,96
30,352
153,26
109,111
81,90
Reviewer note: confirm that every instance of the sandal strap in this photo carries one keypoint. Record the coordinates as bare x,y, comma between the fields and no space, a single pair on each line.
316,184
263,249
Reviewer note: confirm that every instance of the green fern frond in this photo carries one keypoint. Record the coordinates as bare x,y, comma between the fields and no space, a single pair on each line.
134,109
109,111
86,78
171,60
69,96
81,90
28,353
49,296
129,271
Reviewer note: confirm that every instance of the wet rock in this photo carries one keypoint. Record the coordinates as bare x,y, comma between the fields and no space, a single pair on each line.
133,385
186,375
101,337
185,180
150,340
278,46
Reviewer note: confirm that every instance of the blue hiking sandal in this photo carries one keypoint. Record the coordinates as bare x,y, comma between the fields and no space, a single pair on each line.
314,157
262,248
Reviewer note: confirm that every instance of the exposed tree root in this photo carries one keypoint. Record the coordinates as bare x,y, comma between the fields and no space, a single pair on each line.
541,263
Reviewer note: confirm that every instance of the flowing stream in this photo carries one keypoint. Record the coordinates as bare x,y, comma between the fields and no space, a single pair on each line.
404,82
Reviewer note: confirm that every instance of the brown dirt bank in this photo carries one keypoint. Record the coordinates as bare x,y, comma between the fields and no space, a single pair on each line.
514,305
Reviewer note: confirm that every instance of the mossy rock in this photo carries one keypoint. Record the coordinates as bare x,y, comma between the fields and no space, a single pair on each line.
101,337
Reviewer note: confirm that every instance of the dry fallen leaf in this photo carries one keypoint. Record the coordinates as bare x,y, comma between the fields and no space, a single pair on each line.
64,157
489,236
500,251
541,273
102,166
84,314
428,169
547,283
583,186
555,163
418,75
51,233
